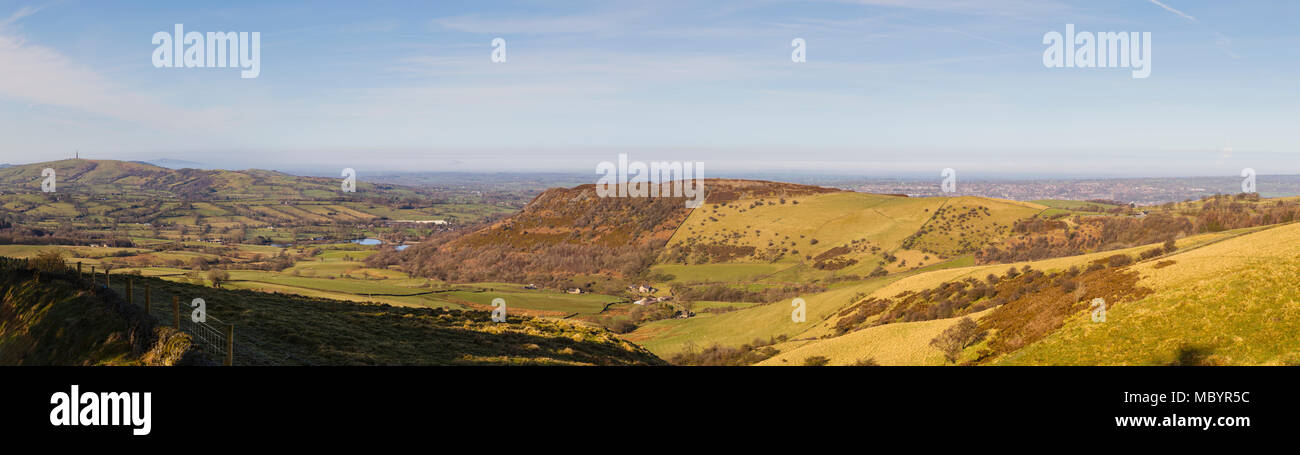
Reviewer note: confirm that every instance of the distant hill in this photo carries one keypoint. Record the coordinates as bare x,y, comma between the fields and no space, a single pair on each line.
570,237
174,163
132,177
565,236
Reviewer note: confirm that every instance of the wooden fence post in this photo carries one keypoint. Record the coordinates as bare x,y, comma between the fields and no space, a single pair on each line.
230,344
93,279
107,281
176,311
79,269
146,298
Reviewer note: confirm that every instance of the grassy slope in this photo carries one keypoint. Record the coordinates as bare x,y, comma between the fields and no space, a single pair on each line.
276,329
742,326
905,343
56,320
327,276
735,328
1235,302
832,219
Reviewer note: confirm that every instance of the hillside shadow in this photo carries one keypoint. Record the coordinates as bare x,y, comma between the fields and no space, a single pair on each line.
1192,355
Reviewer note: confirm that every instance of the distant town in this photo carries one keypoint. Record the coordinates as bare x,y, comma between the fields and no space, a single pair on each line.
1138,190
1142,191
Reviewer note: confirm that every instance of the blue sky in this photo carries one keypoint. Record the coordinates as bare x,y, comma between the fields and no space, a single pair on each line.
890,87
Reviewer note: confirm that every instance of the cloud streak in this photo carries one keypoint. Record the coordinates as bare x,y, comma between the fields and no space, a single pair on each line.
1172,10
18,15
39,75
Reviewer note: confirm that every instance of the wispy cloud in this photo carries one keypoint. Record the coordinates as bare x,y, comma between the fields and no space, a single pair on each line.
576,23
1225,44
19,15
982,8
1172,10
38,75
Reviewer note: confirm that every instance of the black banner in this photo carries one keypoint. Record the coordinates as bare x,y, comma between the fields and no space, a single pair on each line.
357,402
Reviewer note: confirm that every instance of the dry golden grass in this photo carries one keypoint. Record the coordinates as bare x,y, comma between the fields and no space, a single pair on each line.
1235,302
906,343
834,219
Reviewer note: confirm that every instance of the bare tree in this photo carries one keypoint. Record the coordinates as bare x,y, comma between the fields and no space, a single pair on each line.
217,276
956,338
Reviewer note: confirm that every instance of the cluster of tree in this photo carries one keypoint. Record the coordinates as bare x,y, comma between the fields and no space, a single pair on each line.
718,355
562,234
545,265
831,260
730,293
1222,212
694,252
22,235
968,296
1041,239
638,315
1037,238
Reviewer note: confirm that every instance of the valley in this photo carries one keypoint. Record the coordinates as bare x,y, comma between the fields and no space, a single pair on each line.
885,279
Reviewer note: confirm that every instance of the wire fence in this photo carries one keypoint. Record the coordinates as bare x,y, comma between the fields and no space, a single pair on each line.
216,341
214,336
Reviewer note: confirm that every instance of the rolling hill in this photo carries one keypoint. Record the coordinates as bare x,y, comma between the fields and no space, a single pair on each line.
132,177
845,233
570,237
123,202
883,279
1219,299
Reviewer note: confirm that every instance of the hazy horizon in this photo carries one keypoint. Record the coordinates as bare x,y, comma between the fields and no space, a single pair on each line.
791,175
